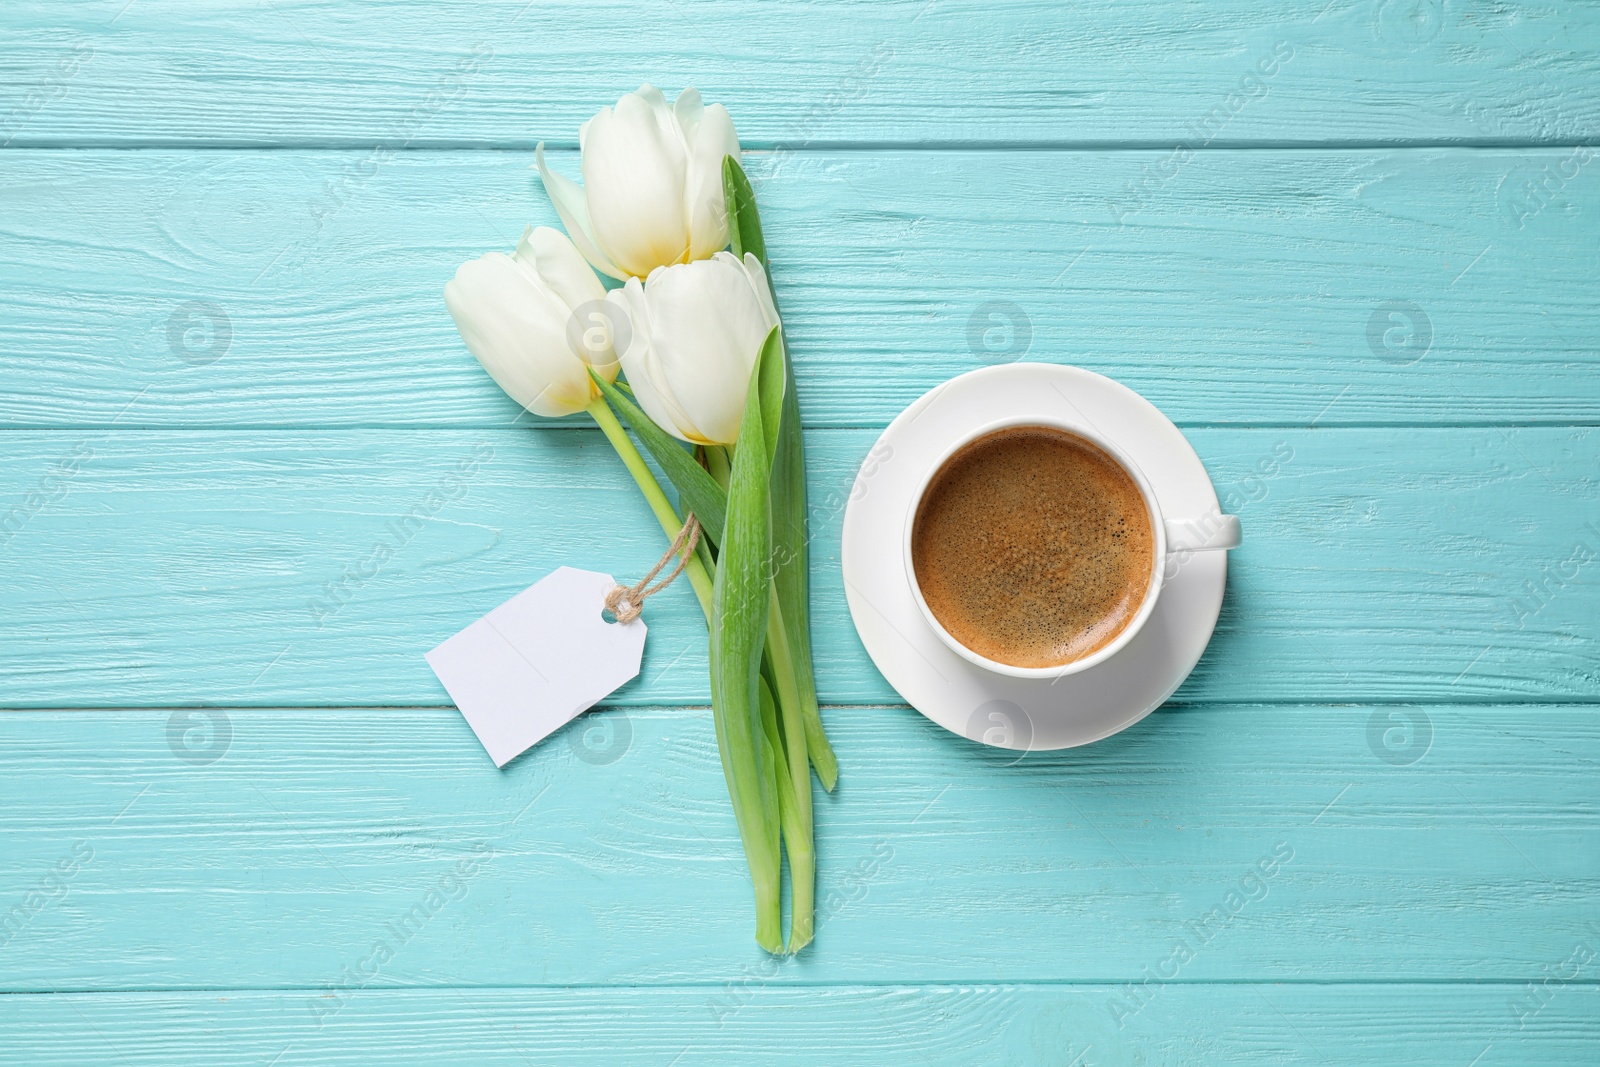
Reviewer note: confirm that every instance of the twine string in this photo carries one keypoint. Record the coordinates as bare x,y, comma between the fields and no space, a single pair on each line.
626,602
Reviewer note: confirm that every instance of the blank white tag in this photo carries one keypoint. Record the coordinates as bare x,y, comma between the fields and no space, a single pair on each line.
536,662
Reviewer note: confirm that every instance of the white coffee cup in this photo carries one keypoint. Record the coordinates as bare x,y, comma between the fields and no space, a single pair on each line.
1175,541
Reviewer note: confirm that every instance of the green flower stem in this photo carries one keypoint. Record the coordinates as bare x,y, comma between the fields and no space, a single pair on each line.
796,830
740,760
670,523
797,820
697,492
717,464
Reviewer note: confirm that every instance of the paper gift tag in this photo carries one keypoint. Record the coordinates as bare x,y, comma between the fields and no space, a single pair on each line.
536,662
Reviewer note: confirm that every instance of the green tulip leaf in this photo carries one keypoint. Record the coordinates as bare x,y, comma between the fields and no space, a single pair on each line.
770,370
744,221
739,602
790,547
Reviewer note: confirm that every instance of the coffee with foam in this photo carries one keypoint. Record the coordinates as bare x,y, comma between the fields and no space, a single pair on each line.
1033,547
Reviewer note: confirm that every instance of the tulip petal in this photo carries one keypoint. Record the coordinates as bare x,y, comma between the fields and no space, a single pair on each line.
573,207
513,328
687,110
708,327
762,287
712,138
634,164
590,329
652,96
560,264
638,362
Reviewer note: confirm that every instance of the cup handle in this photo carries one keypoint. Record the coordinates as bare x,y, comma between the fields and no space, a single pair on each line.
1213,531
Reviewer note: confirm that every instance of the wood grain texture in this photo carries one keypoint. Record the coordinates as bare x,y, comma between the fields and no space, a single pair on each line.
1273,842
290,288
510,73
314,567
1191,1026
248,473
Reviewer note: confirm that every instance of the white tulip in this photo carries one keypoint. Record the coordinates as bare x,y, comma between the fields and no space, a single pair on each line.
536,320
652,192
696,330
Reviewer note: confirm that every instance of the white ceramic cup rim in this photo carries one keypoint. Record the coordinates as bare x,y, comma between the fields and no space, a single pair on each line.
1158,560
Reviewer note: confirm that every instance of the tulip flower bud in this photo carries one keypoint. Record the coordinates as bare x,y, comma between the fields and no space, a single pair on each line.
537,320
696,333
652,193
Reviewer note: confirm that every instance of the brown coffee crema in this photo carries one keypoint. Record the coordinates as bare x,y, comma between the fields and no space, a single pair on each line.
1033,547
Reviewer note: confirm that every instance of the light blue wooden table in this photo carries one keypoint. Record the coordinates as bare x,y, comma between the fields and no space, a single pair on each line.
1351,247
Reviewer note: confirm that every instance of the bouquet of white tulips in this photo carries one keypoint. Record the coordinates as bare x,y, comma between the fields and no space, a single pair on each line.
709,392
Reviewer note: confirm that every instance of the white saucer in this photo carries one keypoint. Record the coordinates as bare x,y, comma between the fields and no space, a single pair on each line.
1017,713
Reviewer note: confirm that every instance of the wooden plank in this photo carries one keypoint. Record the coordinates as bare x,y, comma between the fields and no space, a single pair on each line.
290,288
1262,1023
313,568
508,72
239,849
